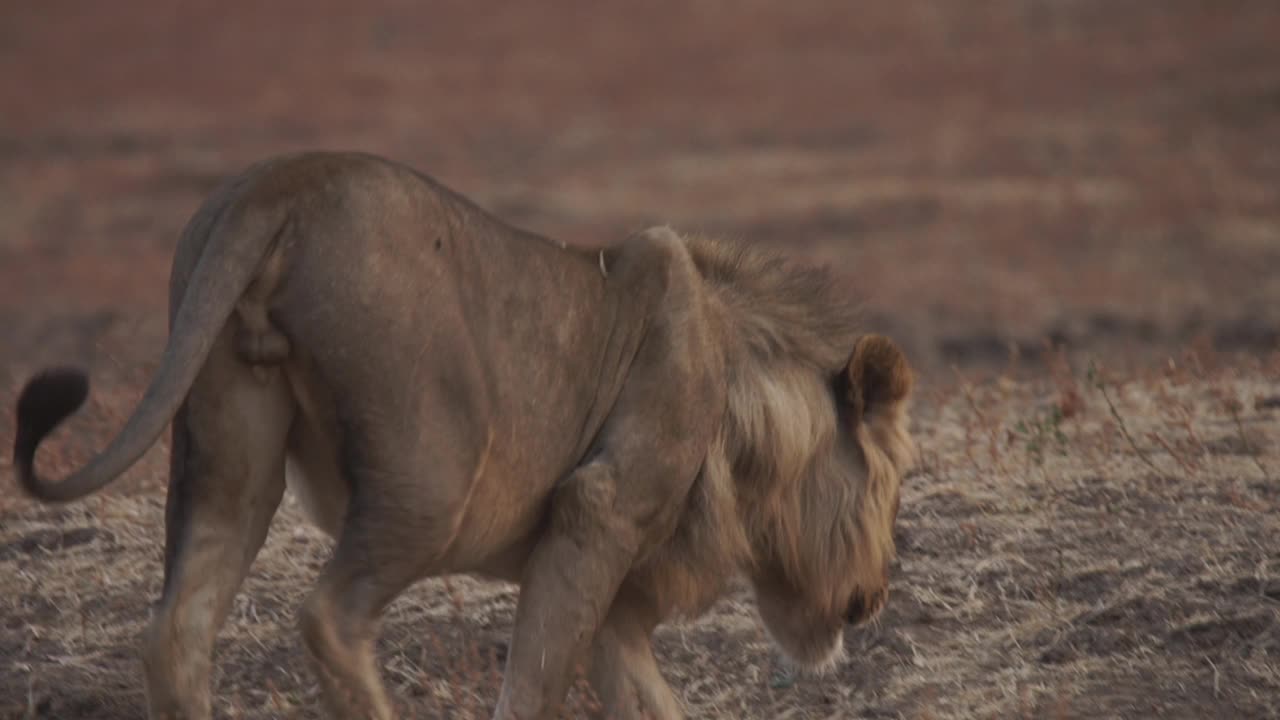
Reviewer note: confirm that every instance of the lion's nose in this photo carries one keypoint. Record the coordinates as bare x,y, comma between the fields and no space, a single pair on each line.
857,611
864,606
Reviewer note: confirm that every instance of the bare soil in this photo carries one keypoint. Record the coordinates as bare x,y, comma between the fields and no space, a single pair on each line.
1021,190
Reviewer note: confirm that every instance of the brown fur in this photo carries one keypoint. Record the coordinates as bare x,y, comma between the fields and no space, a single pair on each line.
622,431
774,498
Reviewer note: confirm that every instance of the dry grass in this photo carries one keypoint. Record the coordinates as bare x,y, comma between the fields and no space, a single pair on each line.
1046,570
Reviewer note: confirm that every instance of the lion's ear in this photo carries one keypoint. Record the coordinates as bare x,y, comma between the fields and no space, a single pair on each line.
878,377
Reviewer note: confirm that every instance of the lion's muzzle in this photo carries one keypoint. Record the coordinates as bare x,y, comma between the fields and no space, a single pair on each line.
865,606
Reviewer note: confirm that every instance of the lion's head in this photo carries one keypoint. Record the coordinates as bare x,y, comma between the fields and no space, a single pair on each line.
815,444
823,540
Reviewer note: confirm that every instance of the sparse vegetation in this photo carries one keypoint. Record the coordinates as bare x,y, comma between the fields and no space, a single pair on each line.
1073,582
1042,432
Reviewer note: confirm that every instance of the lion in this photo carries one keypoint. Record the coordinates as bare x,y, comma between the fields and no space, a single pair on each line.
621,430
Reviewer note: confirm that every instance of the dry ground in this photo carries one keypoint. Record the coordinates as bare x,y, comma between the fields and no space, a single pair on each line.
1099,175
1049,568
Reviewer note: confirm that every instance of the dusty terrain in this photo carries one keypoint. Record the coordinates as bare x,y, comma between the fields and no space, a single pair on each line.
1068,212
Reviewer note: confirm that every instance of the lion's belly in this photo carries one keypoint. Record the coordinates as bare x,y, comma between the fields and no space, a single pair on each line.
503,517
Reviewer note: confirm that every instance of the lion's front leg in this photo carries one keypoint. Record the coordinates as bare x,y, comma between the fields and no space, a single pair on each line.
627,499
624,672
568,585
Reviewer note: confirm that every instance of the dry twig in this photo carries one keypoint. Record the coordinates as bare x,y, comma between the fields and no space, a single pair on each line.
1095,377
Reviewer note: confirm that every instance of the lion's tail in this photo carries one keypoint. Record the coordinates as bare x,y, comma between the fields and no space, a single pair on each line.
227,266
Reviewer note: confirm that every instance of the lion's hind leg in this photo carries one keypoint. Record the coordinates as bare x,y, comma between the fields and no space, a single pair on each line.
226,480
403,511
339,624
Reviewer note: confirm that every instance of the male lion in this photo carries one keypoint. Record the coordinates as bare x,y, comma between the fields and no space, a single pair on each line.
620,431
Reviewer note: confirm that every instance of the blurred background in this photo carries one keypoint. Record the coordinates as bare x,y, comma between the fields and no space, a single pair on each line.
988,175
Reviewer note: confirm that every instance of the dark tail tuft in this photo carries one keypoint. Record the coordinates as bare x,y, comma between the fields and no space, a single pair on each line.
48,399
